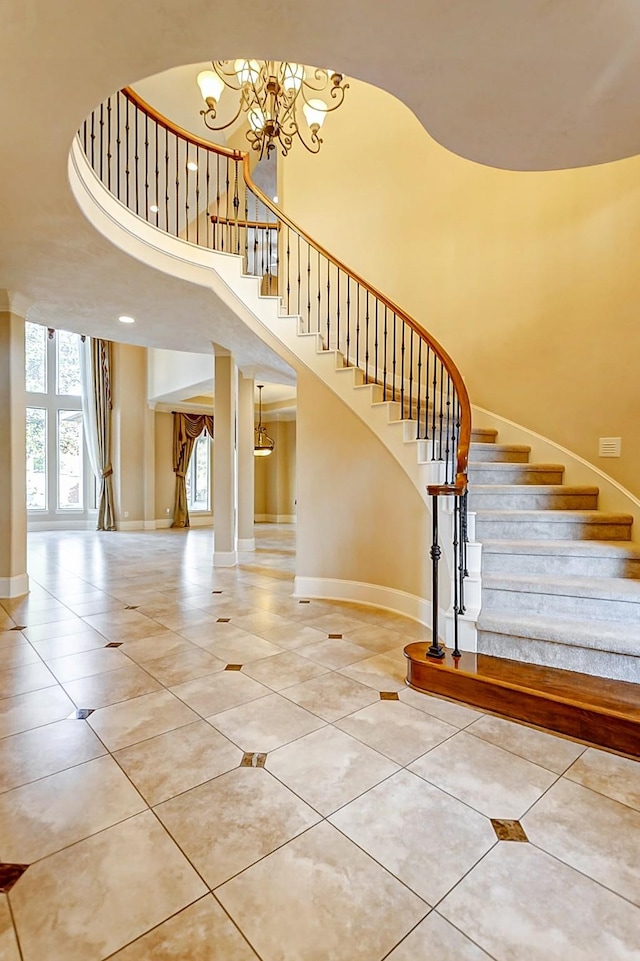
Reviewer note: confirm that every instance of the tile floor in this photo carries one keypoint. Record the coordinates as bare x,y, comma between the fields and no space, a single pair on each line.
240,789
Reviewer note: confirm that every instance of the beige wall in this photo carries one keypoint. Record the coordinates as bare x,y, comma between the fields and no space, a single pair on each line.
130,458
165,478
275,476
530,280
13,511
355,522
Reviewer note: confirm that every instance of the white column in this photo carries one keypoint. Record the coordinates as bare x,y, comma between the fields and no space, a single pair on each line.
246,472
224,459
14,580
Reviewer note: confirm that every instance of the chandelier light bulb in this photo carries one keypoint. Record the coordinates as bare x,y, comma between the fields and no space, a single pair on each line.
247,71
314,111
256,119
293,76
211,85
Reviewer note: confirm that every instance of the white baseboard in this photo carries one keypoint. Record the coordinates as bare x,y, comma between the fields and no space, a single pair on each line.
274,518
162,523
246,543
388,598
201,520
130,525
14,586
63,525
225,558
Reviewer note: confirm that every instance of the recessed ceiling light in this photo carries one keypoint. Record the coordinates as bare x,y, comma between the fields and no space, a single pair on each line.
126,320
192,165
154,208
275,199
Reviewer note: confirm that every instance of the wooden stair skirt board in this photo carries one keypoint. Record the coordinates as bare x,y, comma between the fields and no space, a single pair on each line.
603,712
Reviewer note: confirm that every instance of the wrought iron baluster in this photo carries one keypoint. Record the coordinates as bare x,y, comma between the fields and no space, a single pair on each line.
109,154
146,166
137,158
126,150
435,650
101,140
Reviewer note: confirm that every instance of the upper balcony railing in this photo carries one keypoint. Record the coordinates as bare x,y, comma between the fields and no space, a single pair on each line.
204,194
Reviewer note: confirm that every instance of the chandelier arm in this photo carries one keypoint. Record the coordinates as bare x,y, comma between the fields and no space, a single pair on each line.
335,92
224,76
205,113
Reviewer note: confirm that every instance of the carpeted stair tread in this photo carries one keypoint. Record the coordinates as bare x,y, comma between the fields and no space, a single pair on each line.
613,637
624,549
607,588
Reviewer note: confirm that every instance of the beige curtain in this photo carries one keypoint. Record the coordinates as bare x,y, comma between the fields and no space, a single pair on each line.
186,430
101,364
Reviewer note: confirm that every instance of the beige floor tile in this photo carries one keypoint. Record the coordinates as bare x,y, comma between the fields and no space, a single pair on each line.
26,711
320,897
453,713
547,750
75,666
181,620
51,615
376,638
219,692
24,678
617,777
328,768
100,690
45,750
47,815
124,625
242,648
331,696
283,670
333,652
485,777
338,623
88,606
46,632
292,636
86,640
437,939
184,666
177,761
265,724
520,904
428,859
592,833
396,730
128,722
158,645
8,944
87,901
381,672
191,935
17,654
227,824
261,621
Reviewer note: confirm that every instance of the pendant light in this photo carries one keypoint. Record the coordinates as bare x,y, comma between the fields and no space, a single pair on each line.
262,444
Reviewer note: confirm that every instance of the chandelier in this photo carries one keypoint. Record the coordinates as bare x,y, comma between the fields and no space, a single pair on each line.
273,93
262,444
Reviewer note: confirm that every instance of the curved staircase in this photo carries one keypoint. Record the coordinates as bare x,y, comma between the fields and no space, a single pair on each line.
561,579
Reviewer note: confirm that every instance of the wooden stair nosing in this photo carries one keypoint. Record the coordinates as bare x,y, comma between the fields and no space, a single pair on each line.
597,724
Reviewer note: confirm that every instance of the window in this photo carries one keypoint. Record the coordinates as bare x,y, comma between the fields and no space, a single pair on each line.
59,477
197,479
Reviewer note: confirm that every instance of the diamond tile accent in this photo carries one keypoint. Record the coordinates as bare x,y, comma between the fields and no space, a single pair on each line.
304,602
223,620
389,696
335,637
253,760
114,644
81,714
131,607
217,592
233,667
508,830
18,627
9,874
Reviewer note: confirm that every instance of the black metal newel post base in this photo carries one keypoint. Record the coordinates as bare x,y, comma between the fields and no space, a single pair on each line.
436,650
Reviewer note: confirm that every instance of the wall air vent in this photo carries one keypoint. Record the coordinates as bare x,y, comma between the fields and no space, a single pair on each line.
609,446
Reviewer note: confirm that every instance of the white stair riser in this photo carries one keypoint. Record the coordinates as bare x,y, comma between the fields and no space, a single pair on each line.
498,456
544,530
561,564
531,500
518,474
599,608
620,667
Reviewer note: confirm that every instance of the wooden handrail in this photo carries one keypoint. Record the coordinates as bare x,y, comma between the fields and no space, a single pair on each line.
237,222
464,437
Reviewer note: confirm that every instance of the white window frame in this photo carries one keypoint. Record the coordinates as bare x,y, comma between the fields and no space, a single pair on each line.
204,437
54,516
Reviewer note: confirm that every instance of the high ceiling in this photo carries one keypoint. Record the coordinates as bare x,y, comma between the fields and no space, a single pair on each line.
523,85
